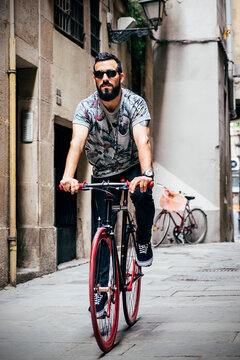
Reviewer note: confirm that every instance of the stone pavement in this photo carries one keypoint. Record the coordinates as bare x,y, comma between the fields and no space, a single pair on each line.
190,310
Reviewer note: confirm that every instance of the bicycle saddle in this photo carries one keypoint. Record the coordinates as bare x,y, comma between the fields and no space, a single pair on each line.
190,197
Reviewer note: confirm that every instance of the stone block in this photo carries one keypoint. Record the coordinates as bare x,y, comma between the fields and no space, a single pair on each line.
46,39
27,204
26,21
4,193
46,163
3,46
48,250
46,216
27,56
46,81
3,257
3,10
27,159
47,10
46,123
28,248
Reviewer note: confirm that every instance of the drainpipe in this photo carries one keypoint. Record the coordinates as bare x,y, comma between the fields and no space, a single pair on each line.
12,144
229,42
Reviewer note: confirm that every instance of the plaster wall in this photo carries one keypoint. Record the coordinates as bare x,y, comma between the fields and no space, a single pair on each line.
187,79
236,30
236,49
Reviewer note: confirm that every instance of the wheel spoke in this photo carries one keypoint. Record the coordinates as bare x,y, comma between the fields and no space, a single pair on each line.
195,226
160,228
132,273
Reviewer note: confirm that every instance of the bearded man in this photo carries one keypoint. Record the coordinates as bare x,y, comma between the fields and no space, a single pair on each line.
112,125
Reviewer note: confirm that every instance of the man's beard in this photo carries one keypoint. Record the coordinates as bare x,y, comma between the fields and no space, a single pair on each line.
108,96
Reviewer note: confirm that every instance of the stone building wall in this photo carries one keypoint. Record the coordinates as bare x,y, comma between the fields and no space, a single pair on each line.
46,61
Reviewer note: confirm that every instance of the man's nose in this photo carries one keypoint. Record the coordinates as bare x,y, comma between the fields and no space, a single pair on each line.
105,77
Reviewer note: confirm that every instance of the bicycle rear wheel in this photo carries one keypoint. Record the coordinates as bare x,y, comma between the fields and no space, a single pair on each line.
160,228
104,327
132,281
195,226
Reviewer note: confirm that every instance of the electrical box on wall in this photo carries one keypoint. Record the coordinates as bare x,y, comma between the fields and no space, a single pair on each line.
27,126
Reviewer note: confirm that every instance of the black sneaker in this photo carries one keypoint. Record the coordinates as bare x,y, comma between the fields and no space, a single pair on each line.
144,254
100,302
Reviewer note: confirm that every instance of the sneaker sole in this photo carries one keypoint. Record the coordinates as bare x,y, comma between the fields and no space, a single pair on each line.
101,314
145,263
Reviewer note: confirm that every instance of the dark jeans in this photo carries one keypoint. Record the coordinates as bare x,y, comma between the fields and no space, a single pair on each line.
144,208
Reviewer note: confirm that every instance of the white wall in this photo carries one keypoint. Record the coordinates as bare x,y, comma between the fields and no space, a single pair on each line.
186,107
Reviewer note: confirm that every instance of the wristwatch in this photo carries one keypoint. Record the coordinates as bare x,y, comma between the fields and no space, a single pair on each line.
148,173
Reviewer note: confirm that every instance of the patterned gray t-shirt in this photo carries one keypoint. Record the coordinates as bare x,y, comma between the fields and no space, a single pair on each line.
110,146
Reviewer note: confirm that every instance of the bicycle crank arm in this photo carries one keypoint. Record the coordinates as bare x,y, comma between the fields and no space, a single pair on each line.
128,287
108,289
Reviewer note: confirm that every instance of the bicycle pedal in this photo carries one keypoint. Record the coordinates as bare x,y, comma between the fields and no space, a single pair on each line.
103,316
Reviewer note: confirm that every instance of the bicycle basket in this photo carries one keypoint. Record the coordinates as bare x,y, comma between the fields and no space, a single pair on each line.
171,201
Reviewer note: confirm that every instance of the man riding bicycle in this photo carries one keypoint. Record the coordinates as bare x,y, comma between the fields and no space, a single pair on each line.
112,125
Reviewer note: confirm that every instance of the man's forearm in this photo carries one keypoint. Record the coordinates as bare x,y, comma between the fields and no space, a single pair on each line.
145,157
141,136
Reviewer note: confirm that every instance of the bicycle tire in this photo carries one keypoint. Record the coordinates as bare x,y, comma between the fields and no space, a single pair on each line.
131,298
195,226
105,328
160,228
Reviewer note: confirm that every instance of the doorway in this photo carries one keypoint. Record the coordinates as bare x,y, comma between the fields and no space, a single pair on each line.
65,203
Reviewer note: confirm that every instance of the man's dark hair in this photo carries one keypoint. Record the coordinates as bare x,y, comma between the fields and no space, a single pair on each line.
107,56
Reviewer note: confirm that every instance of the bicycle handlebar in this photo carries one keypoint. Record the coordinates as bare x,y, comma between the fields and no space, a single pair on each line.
123,185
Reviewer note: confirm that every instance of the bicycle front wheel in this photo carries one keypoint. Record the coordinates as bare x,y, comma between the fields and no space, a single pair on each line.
195,226
132,281
104,280
160,228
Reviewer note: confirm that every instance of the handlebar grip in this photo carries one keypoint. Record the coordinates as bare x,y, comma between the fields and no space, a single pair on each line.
80,185
150,185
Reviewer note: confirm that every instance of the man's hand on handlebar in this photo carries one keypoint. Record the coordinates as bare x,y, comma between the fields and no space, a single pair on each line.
70,185
141,182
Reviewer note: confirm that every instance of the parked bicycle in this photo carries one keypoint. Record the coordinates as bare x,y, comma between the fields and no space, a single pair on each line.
124,275
190,226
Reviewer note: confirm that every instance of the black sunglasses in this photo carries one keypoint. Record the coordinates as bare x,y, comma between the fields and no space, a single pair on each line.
110,73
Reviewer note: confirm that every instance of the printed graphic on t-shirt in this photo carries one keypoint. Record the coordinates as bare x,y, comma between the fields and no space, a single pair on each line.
110,146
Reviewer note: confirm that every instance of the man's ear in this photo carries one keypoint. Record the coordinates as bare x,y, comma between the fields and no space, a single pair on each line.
122,76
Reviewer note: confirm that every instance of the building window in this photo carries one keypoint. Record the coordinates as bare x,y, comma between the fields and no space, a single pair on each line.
95,27
68,19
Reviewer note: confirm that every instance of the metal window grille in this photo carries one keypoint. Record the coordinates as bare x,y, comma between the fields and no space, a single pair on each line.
68,19
95,27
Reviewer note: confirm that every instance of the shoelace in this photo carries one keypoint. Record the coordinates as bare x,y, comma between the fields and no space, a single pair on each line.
98,298
143,248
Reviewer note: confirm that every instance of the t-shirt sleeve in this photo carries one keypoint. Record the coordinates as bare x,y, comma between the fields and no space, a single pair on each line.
140,111
81,116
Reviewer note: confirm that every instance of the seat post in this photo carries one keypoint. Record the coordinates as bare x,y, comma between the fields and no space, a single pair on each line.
108,209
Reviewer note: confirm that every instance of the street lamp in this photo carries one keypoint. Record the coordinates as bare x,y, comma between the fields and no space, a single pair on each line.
154,11
238,156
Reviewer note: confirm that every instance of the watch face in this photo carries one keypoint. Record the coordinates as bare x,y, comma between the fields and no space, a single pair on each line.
148,173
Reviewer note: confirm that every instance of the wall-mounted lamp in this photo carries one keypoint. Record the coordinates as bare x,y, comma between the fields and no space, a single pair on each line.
153,10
